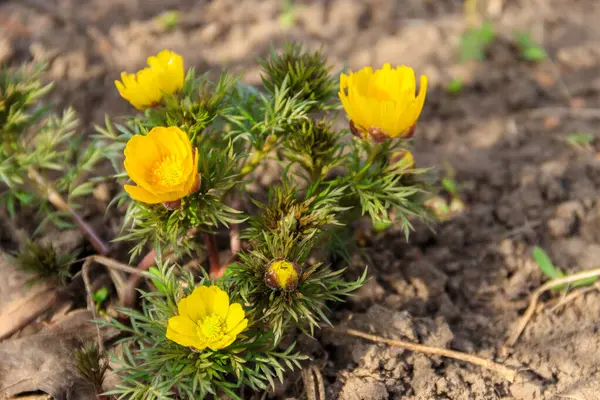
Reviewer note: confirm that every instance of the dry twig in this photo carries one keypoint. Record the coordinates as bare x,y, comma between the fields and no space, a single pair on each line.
534,299
111,264
507,373
573,295
314,385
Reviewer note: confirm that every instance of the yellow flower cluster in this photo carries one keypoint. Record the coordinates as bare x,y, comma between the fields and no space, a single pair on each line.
206,319
162,164
146,88
382,104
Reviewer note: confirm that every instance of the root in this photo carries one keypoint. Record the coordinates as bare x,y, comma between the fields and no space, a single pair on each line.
111,264
507,373
534,299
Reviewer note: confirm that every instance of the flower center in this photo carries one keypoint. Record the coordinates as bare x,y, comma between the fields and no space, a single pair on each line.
212,327
168,172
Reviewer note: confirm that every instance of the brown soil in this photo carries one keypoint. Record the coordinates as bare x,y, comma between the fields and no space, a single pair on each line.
464,285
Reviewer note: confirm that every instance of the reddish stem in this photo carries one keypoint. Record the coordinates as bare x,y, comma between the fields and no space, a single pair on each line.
133,282
57,201
234,240
129,294
216,270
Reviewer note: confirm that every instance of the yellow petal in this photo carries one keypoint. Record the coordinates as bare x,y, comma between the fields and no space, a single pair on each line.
121,88
182,331
137,89
206,294
234,317
193,176
193,305
343,83
239,328
148,85
219,302
222,343
171,141
408,84
172,196
420,100
140,194
169,70
141,154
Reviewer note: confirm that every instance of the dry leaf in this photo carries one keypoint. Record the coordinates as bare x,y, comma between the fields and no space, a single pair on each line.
19,303
44,361
12,284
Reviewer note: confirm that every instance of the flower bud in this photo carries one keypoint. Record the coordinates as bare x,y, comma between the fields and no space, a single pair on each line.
282,275
404,158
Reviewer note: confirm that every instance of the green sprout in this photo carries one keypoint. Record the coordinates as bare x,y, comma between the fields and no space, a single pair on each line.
449,184
455,86
475,41
547,267
580,140
287,18
530,50
100,296
169,19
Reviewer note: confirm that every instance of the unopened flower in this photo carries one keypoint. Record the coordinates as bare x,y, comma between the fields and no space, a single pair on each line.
404,159
382,104
206,319
162,164
146,88
283,275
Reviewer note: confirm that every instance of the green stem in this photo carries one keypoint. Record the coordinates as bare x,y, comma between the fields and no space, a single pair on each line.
256,158
374,151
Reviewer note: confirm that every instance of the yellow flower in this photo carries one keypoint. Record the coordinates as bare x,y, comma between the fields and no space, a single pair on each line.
382,104
282,274
206,319
146,88
162,164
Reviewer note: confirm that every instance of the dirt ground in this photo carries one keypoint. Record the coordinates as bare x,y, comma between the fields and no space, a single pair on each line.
465,284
